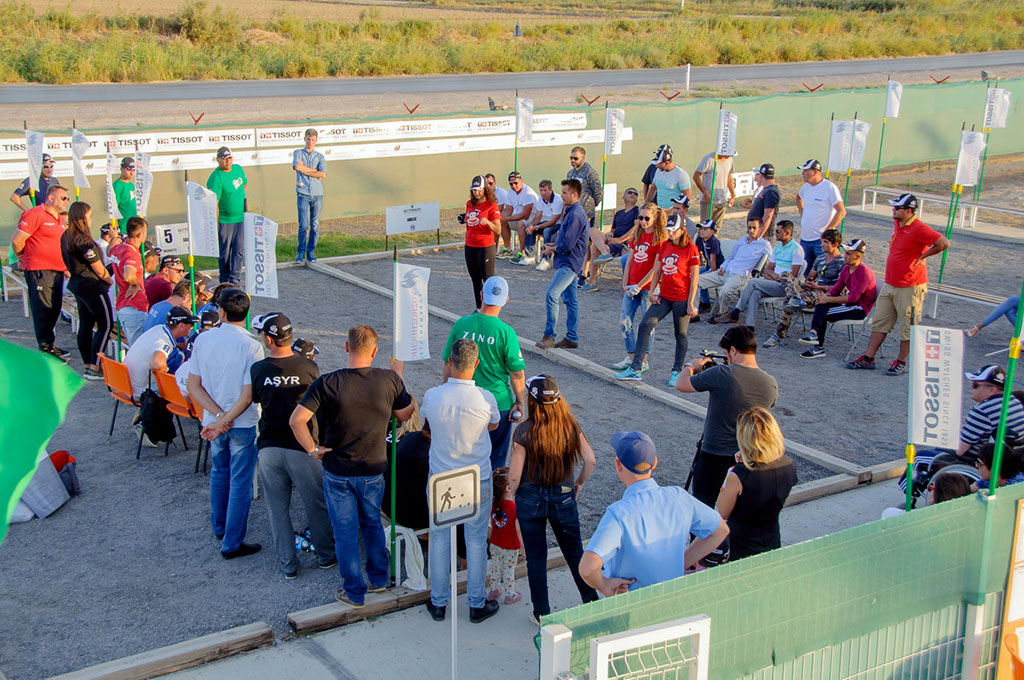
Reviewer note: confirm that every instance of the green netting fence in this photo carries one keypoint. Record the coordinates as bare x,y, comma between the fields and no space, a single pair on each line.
886,599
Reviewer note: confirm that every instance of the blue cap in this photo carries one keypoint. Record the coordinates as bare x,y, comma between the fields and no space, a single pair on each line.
635,451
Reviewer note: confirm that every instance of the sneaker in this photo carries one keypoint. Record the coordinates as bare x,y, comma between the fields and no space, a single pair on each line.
512,598
862,362
723,318
897,367
601,259
773,341
478,614
91,374
566,344
810,339
436,613
504,254
146,441
310,258
625,363
494,594
794,303
291,575
588,288
242,551
695,318
341,596
299,258
376,589
813,353
544,265
581,281
628,374
672,378
517,258
55,351
645,367
526,261
704,307
329,565
534,618
547,342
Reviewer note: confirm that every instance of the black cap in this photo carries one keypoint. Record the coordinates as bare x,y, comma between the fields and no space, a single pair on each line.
514,175
152,250
128,163
179,314
543,388
209,318
305,348
904,201
708,224
664,153
991,374
673,222
767,170
479,182
809,164
274,324
223,152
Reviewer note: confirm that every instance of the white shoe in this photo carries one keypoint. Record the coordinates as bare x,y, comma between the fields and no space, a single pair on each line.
625,363
526,261
544,265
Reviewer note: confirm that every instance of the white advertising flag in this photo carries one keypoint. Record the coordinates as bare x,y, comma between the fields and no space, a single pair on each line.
840,145
260,256
35,143
614,124
411,312
997,108
143,182
201,209
968,164
860,142
935,388
79,145
727,124
112,210
893,98
524,119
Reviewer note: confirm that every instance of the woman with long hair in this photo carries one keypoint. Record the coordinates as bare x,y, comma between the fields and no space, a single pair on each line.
89,282
483,221
757,486
673,290
636,277
546,450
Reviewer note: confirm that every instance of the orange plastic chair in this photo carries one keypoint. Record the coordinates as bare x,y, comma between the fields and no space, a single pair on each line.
167,388
119,383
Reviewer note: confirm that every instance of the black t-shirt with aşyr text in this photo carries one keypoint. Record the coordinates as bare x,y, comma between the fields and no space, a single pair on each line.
278,385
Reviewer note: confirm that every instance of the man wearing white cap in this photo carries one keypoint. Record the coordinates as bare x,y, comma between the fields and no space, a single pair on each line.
820,206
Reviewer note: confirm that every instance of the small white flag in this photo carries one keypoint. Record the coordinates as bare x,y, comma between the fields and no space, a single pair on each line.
614,123
893,98
79,145
201,210
260,256
997,108
34,147
112,210
727,128
969,163
524,119
411,312
840,146
143,182
860,141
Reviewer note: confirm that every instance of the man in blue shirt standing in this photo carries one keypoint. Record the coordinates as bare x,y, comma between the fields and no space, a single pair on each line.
570,249
644,538
310,168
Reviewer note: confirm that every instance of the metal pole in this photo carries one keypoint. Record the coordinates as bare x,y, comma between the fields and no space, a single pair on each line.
515,143
997,455
714,165
604,167
73,128
687,77
910,476
881,141
829,152
394,479
984,159
454,603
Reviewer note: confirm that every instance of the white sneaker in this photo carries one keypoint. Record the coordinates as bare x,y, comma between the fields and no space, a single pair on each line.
625,363
544,265
526,260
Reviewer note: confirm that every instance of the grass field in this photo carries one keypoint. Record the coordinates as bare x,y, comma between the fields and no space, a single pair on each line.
96,41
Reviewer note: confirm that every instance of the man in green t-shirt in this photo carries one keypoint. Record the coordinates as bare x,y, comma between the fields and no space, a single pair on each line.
501,360
228,182
124,190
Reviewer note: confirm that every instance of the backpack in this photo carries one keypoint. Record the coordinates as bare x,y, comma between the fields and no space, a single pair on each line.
157,421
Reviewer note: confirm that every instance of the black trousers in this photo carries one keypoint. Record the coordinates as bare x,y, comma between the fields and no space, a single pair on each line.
830,312
654,314
480,263
93,310
45,294
709,471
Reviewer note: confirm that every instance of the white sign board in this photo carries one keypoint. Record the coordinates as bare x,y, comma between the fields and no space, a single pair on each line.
614,124
744,183
411,313
611,198
112,210
935,387
201,209
997,108
454,496
143,182
260,256
414,217
172,238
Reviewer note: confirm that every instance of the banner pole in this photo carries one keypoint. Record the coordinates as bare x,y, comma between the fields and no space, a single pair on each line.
849,169
955,203
1011,367
74,127
394,476
604,167
31,191
714,164
984,159
515,143
881,139
191,258
829,152
910,451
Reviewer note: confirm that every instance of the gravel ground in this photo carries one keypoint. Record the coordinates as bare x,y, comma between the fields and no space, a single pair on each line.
142,569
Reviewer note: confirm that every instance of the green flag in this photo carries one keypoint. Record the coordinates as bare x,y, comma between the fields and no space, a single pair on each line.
35,390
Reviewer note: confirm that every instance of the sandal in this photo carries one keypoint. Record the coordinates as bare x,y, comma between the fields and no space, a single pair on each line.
972,331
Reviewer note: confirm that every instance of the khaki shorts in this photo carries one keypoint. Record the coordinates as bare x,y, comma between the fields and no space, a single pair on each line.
898,305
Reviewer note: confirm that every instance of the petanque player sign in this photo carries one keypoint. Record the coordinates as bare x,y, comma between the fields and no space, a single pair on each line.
936,386
260,256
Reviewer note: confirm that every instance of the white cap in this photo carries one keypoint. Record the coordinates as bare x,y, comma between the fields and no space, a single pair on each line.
495,291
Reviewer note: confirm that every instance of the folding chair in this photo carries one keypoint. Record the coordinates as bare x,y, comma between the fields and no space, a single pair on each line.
179,407
848,325
119,383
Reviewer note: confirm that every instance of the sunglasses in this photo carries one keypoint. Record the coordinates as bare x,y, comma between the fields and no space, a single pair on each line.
644,218
574,158
632,193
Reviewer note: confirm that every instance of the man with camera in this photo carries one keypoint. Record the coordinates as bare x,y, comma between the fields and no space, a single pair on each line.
732,388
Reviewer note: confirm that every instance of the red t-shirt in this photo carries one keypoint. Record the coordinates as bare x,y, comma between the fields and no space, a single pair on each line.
642,259
906,245
675,270
503,526
42,249
121,256
158,289
478,235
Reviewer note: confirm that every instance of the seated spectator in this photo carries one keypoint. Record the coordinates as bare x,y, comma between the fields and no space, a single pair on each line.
547,215
153,256
948,487
521,200
605,247
157,349
181,296
734,273
160,286
756,489
788,258
1010,468
823,275
711,258
644,538
858,281
1008,308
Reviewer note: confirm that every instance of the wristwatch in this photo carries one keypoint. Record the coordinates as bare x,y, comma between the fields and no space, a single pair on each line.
316,450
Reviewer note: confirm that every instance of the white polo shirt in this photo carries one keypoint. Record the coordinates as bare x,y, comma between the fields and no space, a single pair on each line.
459,413
156,339
548,210
221,357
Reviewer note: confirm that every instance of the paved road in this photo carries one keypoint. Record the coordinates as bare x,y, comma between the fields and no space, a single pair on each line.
183,91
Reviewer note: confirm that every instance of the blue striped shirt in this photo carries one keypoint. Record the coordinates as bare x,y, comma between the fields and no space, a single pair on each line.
981,423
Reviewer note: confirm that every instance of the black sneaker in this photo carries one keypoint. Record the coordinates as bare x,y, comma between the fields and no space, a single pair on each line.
56,352
862,362
897,367
438,613
813,353
329,565
242,551
478,614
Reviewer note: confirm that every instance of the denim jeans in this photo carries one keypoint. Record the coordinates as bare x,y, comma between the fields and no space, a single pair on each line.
753,292
132,322
563,285
500,438
309,219
1008,309
705,296
681,325
439,559
232,463
353,504
811,250
536,506
549,233
231,239
631,304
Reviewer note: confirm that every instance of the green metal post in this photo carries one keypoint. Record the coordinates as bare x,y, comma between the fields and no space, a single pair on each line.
984,159
997,455
881,141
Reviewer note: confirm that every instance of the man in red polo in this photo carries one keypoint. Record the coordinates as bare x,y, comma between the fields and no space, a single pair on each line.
906,282
37,244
